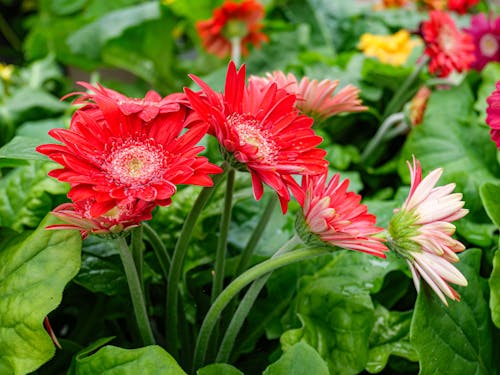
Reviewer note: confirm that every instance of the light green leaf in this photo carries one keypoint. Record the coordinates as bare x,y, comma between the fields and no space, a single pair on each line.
490,76
89,40
300,359
490,192
33,274
494,283
25,195
454,339
111,360
219,369
21,148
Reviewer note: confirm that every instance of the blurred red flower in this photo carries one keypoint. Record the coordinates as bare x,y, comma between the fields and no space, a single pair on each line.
449,49
461,6
493,112
232,19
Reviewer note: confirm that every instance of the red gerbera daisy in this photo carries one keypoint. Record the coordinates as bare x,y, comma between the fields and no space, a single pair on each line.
111,159
493,118
448,48
461,6
335,216
232,19
260,130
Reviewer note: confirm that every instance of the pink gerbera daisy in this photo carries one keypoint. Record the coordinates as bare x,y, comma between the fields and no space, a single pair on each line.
449,49
112,159
335,216
485,32
493,114
421,232
260,130
316,99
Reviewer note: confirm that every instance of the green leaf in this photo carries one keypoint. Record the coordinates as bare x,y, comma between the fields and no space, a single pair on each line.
89,40
336,310
26,195
390,336
33,274
219,369
299,359
21,148
455,339
489,195
494,283
450,138
489,76
111,360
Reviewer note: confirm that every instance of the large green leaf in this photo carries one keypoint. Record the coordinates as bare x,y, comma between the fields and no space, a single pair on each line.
449,137
489,195
494,283
89,40
219,369
390,336
25,195
336,310
33,274
111,360
300,359
455,339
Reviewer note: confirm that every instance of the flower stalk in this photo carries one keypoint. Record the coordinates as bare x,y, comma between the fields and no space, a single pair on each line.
136,293
176,266
236,286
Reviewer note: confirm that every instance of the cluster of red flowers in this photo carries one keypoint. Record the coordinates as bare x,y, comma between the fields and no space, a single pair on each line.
122,157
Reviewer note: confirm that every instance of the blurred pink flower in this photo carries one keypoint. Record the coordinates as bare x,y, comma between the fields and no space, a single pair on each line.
493,114
485,32
421,232
316,98
335,216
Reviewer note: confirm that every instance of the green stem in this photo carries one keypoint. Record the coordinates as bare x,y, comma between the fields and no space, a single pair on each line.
175,272
401,96
137,253
220,255
9,34
136,294
381,134
159,248
247,253
236,286
236,50
246,304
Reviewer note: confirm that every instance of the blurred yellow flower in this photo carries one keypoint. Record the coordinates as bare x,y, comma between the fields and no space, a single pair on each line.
389,49
6,71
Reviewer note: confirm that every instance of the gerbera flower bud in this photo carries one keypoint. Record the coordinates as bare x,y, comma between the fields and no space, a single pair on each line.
232,19
485,32
260,130
421,230
493,114
418,105
333,216
111,159
315,98
449,49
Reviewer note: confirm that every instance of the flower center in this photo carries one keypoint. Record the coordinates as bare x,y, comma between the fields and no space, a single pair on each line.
135,163
250,132
446,39
488,45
